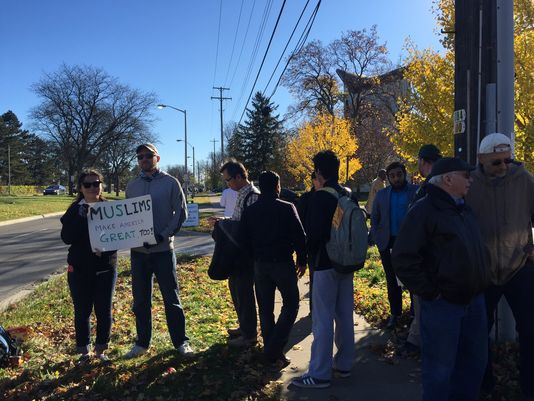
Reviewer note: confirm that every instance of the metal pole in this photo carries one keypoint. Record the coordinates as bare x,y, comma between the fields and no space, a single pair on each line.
193,161
8,169
186,178
505,67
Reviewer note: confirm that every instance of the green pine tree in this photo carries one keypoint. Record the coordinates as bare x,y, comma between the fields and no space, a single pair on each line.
259,142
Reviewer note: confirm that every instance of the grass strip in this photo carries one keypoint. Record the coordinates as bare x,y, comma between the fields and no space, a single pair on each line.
49,371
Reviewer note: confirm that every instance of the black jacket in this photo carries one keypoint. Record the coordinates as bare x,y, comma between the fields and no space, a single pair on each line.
271,231
75,233
439,250
321,208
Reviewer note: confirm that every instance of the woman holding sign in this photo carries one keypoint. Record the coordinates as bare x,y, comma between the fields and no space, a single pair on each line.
91,275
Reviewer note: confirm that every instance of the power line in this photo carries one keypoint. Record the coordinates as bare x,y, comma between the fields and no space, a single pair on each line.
259,36
218,38
287,44
235,39
263,60
244,40
300,44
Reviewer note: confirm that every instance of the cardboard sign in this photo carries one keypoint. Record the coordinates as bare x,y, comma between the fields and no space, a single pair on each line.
122,224
192,215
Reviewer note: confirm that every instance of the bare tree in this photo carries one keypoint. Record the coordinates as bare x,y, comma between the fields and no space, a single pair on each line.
86,111
311,78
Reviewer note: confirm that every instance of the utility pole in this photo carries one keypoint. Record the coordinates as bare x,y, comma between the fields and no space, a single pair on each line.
214,142
8,169
221,98
484,91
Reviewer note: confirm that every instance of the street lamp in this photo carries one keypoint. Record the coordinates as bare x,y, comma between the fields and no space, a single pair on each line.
182,140
162,106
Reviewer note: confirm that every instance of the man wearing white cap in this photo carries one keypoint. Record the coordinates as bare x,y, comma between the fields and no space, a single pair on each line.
502,197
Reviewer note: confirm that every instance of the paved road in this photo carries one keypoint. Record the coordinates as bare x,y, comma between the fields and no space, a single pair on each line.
32,250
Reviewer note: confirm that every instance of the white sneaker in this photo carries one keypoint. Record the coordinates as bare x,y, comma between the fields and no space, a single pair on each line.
135,352
185,350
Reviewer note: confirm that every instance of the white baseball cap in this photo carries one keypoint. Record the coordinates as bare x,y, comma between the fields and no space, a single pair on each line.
495,143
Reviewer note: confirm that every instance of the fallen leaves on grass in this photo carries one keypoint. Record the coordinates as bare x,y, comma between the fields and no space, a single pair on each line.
49,370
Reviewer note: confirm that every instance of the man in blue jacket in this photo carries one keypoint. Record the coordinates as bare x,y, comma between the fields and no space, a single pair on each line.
389,208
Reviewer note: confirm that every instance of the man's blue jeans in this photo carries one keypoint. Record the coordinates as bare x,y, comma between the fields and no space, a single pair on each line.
144,268
454,349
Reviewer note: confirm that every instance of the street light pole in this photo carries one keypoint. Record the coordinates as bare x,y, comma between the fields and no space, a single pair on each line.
186,176
192,147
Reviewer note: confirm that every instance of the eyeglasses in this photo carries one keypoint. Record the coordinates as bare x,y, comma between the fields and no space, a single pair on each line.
94,184
501,161
145,156
229,179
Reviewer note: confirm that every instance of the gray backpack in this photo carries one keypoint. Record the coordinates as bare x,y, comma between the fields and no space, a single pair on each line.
347,247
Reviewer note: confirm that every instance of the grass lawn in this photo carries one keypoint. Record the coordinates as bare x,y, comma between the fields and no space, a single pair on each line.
215,373
16,207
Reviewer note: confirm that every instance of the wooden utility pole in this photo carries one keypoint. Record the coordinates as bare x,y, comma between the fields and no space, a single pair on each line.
484,91
221,98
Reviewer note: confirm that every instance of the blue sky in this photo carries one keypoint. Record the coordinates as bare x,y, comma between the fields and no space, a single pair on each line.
169,47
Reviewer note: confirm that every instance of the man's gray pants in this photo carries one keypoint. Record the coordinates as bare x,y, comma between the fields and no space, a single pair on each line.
333,301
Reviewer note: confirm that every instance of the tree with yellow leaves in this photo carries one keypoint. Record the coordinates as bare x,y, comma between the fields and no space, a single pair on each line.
425,115
324,132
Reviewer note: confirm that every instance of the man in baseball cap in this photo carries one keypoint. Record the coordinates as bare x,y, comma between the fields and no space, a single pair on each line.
502,197
439,255
169,211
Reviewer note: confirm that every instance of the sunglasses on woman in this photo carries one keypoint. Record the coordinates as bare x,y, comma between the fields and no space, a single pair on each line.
94,184
500,161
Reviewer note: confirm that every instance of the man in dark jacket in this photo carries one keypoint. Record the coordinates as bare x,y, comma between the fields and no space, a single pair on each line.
271,231
440,256
302,209
427,156
333,297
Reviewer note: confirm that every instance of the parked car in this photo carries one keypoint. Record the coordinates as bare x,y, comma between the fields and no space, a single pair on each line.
54,190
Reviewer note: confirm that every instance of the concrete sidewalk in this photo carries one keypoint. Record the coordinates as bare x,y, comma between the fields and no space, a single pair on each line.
373,377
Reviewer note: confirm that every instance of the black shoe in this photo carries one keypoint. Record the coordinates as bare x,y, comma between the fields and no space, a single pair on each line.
280,361
233,333
408,349
392,322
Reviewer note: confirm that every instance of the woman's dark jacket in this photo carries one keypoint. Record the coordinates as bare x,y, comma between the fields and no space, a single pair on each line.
75,233
439,250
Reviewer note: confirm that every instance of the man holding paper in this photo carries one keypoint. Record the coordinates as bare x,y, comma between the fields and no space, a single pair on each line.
169,212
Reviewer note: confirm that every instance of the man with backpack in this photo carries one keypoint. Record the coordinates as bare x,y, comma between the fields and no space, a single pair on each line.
332,290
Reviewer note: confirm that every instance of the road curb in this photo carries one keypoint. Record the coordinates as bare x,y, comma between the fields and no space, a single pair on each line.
30,218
